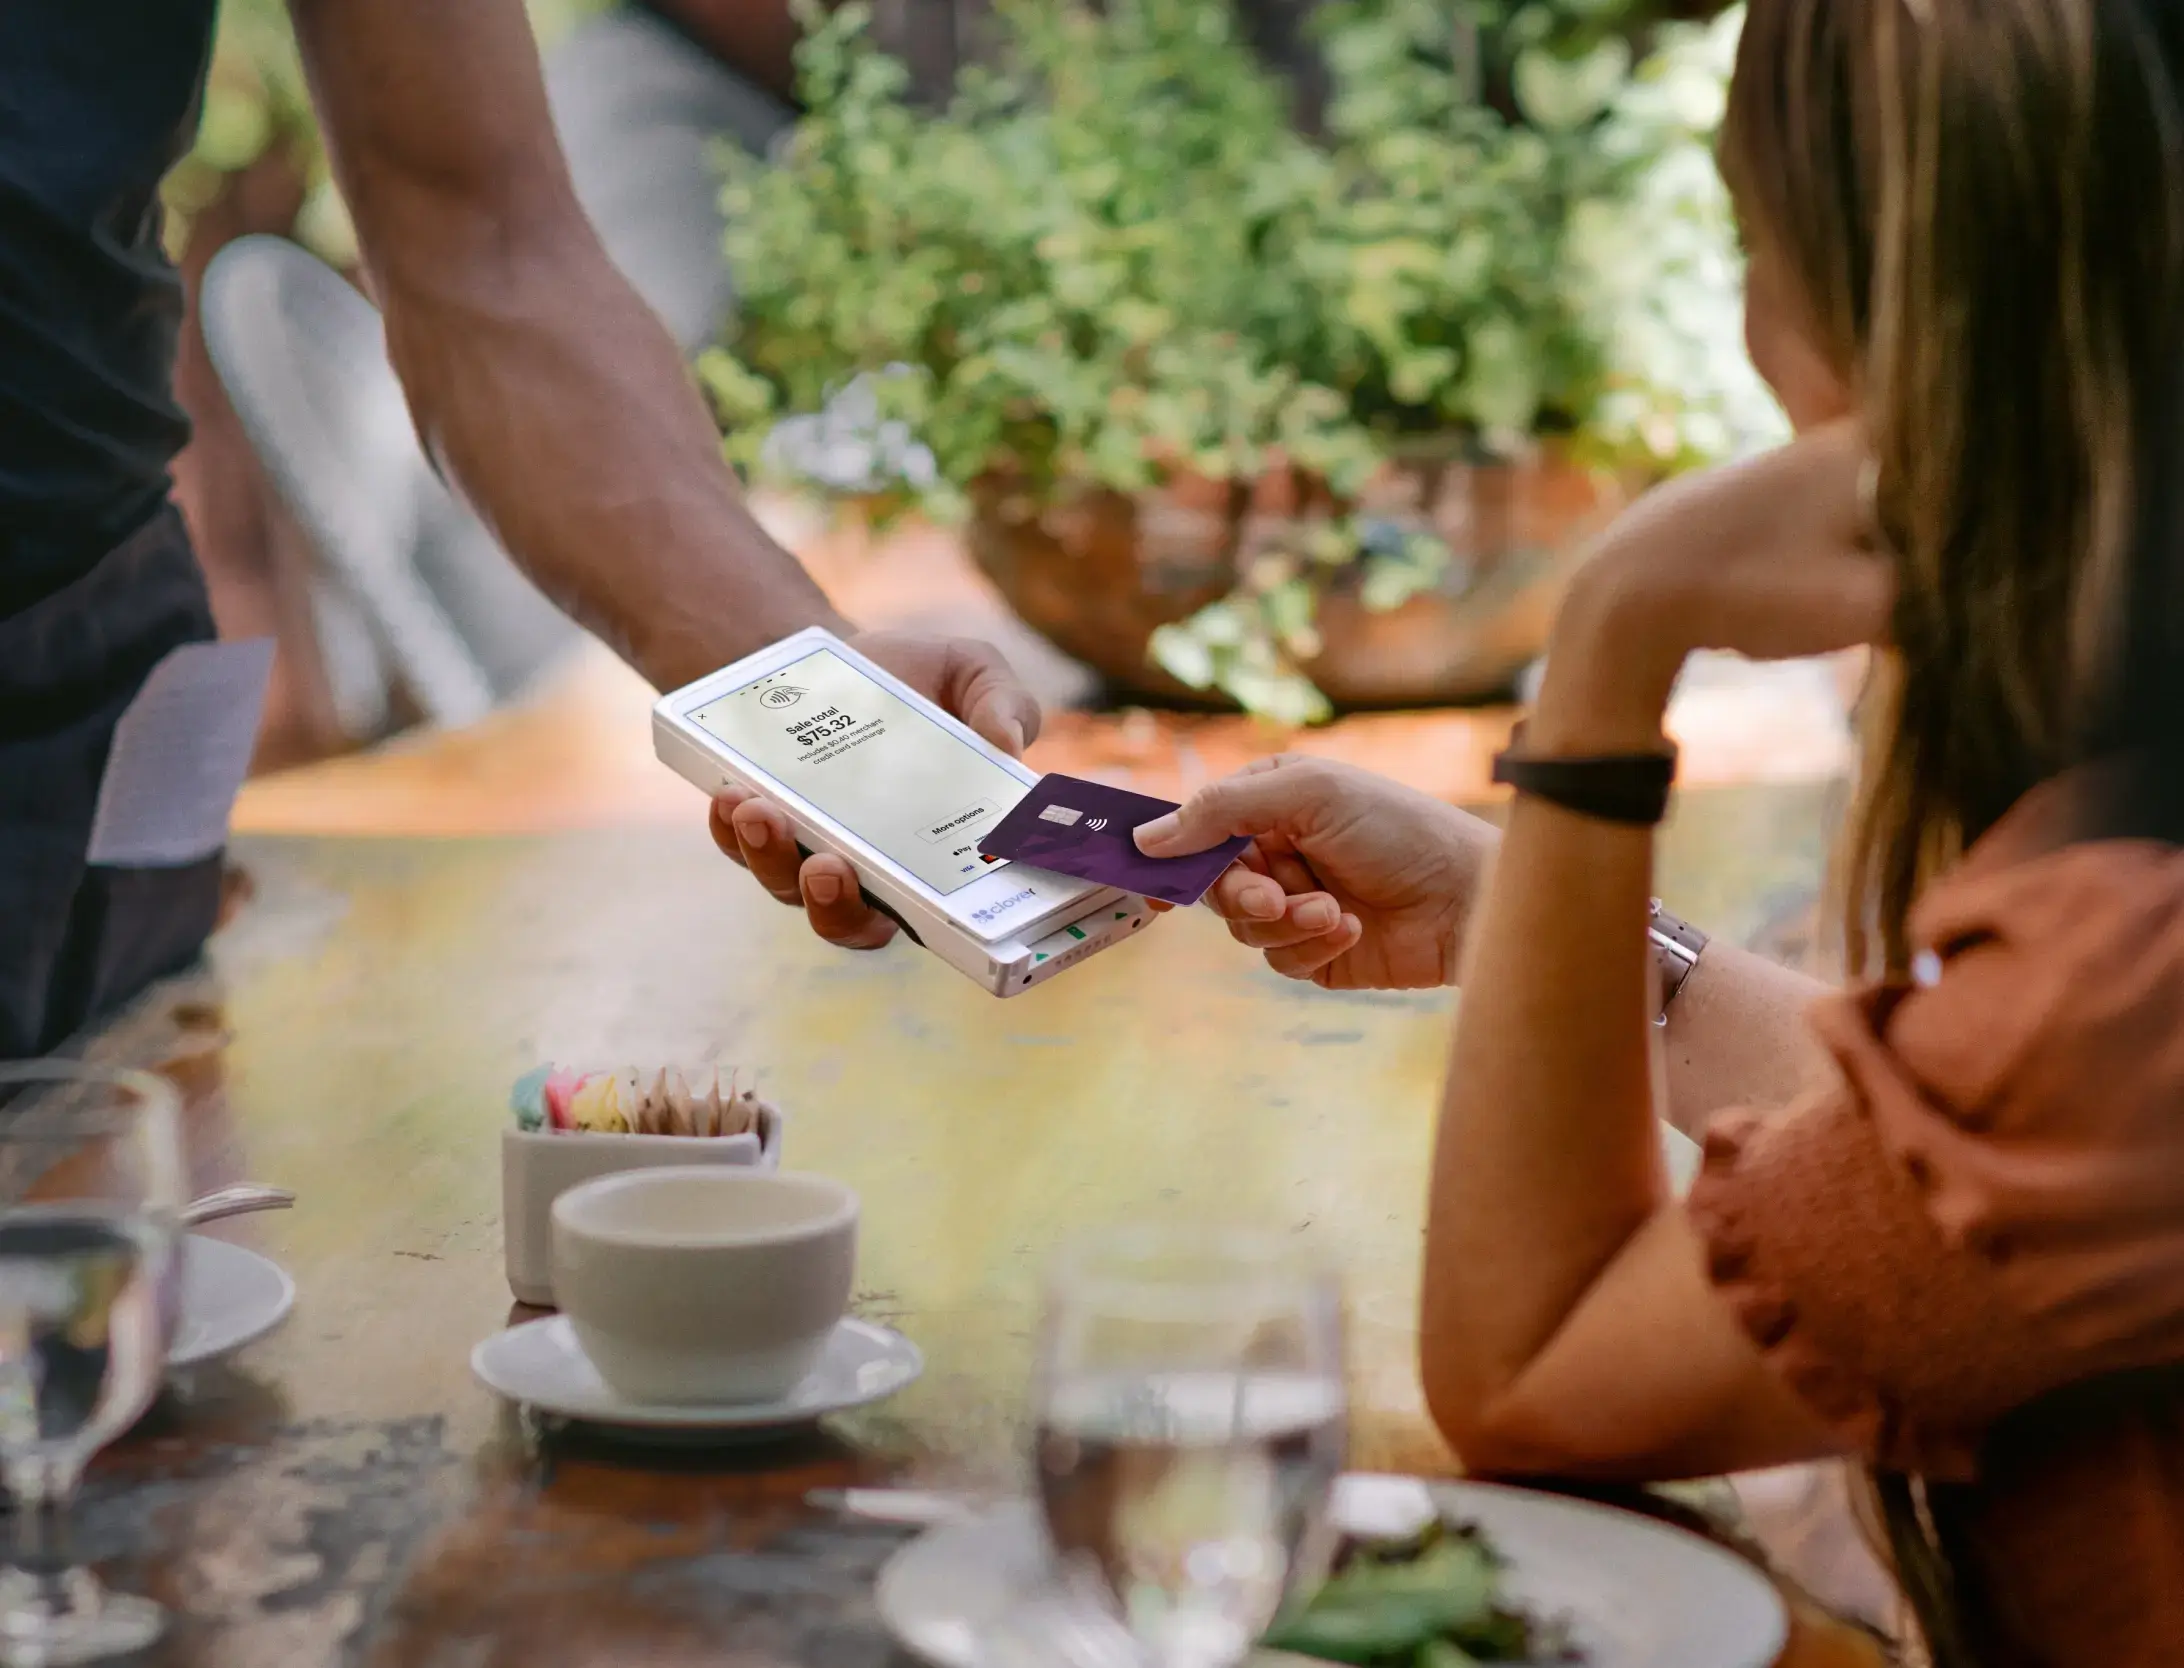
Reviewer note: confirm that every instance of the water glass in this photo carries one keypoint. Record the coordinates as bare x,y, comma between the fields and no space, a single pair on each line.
1191,1422
91,1195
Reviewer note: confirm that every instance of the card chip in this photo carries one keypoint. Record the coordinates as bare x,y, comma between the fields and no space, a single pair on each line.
1061,814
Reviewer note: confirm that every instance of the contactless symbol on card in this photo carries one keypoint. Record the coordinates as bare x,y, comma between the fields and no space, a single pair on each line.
1088,830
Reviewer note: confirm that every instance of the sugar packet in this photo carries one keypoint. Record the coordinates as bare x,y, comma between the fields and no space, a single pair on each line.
632,1101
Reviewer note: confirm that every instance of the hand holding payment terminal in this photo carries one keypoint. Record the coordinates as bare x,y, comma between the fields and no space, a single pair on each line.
869,769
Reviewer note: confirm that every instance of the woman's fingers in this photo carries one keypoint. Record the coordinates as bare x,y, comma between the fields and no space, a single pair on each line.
1306,918
1314,956
1292,871
1242,894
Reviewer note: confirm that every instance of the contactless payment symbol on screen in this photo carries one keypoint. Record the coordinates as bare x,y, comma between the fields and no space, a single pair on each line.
781,695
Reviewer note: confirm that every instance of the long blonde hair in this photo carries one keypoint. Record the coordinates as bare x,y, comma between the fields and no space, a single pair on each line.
1981,203
1979,199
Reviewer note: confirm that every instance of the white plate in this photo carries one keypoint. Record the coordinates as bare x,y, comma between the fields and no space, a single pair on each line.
541,1365
230,1297
1639,1594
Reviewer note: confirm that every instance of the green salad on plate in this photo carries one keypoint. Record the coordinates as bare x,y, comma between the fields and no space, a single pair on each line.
1433,1599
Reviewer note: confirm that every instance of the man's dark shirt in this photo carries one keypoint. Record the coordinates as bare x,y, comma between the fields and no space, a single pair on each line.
98,99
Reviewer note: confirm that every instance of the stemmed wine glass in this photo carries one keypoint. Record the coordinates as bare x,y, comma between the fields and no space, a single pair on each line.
91,1196
1191,1423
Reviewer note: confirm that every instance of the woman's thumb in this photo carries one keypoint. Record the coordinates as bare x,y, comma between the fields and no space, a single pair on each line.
1249,804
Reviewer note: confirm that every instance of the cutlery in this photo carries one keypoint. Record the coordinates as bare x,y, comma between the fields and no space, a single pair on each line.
915,1507
239,1200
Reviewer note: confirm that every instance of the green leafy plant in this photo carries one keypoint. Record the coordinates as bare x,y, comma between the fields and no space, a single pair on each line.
1114,258
256,105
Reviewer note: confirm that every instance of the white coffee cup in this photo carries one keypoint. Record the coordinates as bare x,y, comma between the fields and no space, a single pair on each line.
704,1286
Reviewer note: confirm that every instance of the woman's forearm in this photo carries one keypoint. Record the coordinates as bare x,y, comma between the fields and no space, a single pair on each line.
1556,974
1547,1173
1547,1161
1736,1036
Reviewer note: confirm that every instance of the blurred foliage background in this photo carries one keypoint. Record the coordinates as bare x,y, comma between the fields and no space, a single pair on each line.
257,107
1116,258
1115,253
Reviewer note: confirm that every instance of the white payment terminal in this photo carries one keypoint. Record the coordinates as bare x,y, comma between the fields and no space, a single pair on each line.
869,769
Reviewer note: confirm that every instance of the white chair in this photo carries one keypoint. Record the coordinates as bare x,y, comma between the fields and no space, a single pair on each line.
415,605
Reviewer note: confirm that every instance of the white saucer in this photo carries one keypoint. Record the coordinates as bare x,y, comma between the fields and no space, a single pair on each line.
1637,1593
230,1297
541,1365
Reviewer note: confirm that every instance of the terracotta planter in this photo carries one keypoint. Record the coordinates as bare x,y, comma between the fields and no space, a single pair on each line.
1098,574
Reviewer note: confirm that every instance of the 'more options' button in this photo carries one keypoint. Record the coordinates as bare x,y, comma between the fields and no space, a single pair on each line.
949,827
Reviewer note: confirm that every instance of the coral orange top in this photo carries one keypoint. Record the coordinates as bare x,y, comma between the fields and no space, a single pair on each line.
1968,1255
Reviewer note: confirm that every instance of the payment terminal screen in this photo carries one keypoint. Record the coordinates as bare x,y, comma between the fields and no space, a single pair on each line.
872,762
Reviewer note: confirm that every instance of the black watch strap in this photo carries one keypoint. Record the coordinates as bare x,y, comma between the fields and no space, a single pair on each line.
1628,788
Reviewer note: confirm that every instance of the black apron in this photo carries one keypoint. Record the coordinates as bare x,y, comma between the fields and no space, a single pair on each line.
77,939
98,98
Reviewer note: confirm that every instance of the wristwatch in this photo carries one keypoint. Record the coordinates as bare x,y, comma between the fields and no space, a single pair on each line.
1677,945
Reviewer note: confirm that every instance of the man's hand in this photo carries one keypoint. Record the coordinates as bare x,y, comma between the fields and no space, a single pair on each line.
1351,881
970,680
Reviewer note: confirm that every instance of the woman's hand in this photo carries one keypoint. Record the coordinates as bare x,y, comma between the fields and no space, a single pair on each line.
1772,557
1351,881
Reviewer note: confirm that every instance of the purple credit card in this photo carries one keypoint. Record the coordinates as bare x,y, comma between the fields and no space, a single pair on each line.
1084,829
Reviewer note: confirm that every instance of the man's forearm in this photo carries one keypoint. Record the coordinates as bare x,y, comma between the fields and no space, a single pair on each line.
558,404
545,389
